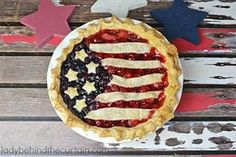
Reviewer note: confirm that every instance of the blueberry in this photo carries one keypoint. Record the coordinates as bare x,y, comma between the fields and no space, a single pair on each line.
92,107
64,87
71,56
97,77
93,94
82,93
81,81
81,115
91,56
100,70
91,77
96,60
100,90
87,60
89,101
78,47
85,110
77,113
67,100
102,83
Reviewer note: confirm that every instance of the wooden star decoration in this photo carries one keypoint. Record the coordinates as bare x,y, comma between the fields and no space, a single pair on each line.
179,21
48,20
118,8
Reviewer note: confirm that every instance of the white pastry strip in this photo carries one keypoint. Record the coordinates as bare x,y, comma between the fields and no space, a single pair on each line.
133,64
126,96
126,47
118,113
135,81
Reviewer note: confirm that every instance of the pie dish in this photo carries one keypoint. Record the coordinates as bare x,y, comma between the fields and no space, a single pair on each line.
117,79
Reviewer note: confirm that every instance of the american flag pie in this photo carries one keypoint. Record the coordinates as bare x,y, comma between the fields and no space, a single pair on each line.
114,79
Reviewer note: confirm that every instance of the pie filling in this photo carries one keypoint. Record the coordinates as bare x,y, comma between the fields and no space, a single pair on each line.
113,78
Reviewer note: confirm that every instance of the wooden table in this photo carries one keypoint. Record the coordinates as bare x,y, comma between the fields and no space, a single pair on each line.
204,123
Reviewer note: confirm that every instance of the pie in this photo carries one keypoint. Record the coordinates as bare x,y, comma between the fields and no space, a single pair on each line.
117,79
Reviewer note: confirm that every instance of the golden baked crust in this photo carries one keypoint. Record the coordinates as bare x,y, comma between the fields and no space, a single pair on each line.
161,115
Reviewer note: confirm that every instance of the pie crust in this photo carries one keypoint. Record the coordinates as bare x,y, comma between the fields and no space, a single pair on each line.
160,116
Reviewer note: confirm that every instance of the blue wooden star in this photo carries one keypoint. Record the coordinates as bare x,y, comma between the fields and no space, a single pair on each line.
180,21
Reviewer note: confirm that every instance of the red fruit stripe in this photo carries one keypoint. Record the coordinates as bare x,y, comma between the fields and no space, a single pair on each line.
150,103
130,73
114,36
111,123
132,56
146,88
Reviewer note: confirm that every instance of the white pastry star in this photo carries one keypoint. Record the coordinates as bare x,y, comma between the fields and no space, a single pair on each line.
80,104
71,75
72,92
118,8
91,67
80,55
89,87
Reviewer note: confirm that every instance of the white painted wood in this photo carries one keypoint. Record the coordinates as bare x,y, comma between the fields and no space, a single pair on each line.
56,135
118,8
210,7
186,138
202,70
57,2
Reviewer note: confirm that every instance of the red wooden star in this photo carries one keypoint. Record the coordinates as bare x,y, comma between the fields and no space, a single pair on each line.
48,20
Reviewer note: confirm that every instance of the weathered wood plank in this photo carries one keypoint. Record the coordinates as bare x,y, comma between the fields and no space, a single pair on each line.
200,70
174,136
122,156
209,70
34,102
71,155
18,39
25,69
25,102
213,41
190,136
220,12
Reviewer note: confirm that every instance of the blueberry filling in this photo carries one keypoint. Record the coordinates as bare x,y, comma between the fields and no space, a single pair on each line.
100,79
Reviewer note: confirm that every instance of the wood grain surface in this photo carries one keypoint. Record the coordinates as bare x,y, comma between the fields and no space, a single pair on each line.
200,70
19,40
220,12
205,118
21,103
55,135
190,135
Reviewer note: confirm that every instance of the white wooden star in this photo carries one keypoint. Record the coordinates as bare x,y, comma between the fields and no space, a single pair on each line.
118,8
